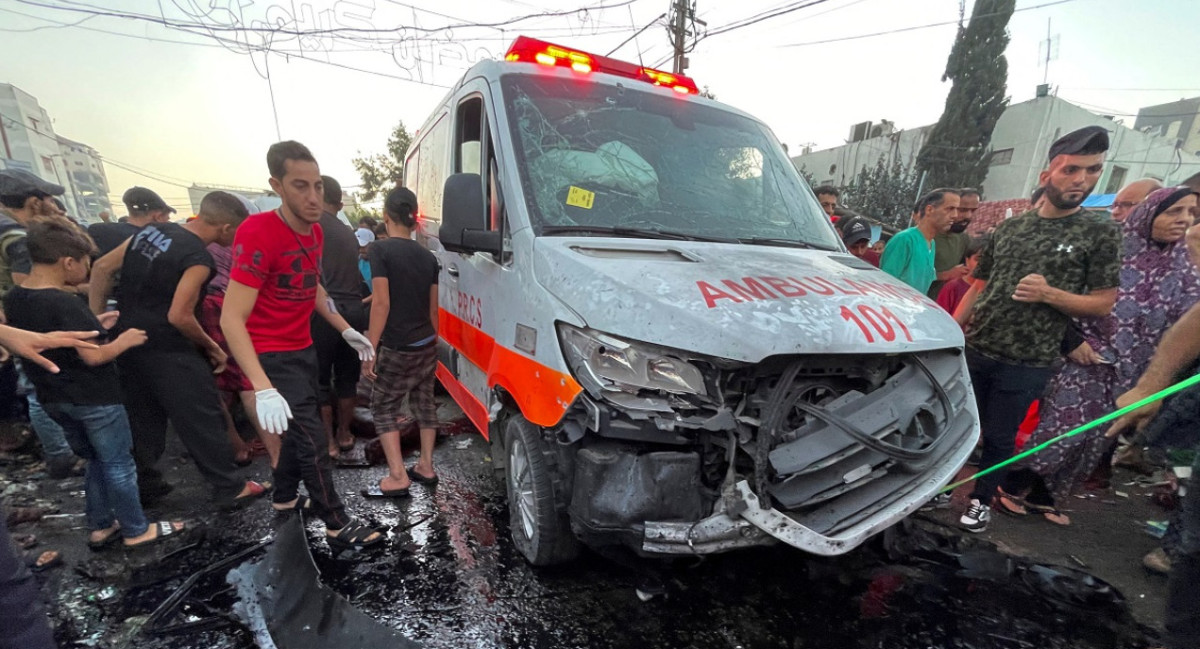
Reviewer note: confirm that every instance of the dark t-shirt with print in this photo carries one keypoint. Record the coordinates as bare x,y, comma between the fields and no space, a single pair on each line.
48,309
155,261
109,236
411,271
1079,253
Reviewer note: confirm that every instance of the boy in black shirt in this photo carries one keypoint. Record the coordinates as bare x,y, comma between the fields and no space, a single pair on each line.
84,396
164,269
404,317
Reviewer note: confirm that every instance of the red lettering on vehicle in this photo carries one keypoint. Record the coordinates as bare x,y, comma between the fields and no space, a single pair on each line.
712,294
880,322
784,287
808,284
753,289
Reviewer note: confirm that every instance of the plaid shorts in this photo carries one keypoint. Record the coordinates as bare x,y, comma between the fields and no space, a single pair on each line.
400,374
232,379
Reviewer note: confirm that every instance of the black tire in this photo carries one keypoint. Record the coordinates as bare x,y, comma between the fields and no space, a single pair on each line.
541,528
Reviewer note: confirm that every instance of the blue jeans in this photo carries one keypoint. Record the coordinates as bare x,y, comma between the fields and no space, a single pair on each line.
49,433
100,434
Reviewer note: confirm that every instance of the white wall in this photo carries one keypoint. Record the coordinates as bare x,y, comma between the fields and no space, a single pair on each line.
1028,128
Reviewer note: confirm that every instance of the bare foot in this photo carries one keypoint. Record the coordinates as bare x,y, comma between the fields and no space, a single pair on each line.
100,536
152,534
390,483
424,470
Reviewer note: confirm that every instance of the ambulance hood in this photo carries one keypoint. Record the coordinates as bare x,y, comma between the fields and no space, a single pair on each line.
739,302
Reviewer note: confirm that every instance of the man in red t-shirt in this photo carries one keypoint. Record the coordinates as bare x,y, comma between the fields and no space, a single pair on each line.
274,286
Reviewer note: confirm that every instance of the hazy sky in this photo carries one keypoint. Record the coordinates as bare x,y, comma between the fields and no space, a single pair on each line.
196,109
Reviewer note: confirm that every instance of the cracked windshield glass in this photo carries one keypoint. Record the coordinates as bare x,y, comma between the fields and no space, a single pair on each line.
597,156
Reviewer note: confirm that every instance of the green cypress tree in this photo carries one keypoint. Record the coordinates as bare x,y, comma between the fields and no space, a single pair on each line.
957,150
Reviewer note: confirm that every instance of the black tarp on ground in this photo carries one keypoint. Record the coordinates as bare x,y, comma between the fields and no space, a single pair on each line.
282,600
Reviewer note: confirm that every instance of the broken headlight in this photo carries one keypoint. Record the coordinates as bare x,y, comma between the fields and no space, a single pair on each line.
601,362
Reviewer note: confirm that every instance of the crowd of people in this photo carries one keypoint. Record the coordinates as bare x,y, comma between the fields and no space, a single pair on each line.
142,324
280,313
1062,309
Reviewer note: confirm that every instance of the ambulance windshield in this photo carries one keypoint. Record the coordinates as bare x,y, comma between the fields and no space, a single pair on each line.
594,156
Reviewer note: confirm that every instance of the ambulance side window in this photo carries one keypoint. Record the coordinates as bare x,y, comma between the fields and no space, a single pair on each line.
474,153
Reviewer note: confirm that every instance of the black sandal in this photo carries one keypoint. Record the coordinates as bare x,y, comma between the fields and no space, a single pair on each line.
166,532
354,536
420,479
303,504
375,491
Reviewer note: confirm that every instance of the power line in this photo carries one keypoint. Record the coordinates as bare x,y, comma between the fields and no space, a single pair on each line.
89,9
767,15
915,27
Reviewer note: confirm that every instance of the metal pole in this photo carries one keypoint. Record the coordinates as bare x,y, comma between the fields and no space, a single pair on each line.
679,30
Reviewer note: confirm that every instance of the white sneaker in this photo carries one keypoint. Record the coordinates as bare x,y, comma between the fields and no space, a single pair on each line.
976,518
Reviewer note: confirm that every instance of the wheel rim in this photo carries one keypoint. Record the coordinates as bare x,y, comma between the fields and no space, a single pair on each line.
521,484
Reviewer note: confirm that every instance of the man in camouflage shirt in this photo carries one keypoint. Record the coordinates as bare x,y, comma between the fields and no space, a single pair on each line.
1040,269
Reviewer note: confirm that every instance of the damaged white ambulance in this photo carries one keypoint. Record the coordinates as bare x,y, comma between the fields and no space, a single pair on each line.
646,312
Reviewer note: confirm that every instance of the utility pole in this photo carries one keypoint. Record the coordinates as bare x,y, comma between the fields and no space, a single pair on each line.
681,13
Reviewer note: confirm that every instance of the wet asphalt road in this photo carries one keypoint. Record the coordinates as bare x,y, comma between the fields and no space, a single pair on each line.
450,577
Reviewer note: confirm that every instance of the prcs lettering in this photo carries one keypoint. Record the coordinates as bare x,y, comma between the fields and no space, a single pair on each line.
469,309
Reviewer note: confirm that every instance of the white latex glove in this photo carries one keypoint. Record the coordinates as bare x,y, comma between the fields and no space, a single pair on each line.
273,411
360,343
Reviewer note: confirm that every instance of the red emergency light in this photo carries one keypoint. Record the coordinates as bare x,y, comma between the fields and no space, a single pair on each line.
531,50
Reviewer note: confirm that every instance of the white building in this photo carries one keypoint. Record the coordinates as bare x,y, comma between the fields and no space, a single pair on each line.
28,141
89,183
1020,143
263,198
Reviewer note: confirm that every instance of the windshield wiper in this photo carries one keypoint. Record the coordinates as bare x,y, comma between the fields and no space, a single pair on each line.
619,231
789,243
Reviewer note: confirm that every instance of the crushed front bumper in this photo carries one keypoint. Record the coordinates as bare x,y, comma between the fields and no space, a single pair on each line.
843,492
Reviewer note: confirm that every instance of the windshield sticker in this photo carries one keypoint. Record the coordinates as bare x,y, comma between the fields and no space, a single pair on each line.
751,289
580,197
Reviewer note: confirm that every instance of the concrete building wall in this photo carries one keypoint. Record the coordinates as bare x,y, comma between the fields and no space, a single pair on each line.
1020,145
1177,119
29,141
88,180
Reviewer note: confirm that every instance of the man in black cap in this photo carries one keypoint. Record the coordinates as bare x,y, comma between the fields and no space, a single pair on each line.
24,197
1037,272
145,207
856,234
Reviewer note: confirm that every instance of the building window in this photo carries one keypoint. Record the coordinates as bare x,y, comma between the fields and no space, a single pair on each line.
832,169
1116,179
1001,157
48,164
33,123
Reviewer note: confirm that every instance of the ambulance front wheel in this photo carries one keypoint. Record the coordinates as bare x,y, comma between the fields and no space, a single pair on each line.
541,529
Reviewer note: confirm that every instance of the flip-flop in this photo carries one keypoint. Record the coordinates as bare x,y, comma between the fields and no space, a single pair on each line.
303,503
1009,504
420,479
112,539
257,490
375,491
166,531
40,561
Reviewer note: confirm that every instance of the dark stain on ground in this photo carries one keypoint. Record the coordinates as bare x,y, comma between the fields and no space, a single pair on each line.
450,577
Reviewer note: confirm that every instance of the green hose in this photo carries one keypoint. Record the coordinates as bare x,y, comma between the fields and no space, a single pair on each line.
1182,385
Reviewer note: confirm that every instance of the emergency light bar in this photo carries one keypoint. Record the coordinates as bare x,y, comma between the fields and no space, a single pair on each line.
531,50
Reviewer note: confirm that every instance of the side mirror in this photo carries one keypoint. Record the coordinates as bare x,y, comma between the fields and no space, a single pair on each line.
464,218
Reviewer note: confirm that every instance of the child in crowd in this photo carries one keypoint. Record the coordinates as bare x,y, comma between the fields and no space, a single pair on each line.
952,292
84,397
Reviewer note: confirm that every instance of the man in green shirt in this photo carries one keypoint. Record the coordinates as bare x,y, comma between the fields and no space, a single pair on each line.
1038,271
909,256
952,245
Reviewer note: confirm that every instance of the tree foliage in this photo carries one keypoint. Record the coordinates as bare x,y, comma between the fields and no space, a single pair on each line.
885,194
956,152
381,172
